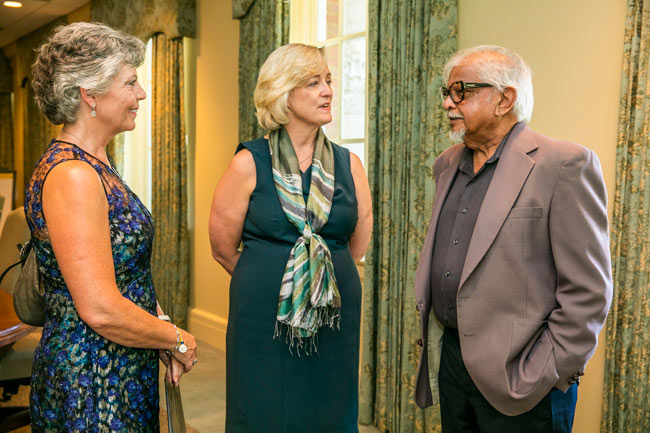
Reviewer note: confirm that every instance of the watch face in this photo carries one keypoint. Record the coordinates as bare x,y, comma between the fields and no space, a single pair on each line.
182,348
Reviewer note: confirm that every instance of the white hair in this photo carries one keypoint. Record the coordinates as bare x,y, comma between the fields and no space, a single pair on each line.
502,68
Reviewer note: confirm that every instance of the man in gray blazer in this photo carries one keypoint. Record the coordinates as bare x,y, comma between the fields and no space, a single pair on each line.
514,280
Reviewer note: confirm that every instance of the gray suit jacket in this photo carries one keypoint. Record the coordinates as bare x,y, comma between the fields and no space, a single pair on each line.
537,282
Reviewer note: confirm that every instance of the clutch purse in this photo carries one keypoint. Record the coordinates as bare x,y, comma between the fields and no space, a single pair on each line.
28,291
175,417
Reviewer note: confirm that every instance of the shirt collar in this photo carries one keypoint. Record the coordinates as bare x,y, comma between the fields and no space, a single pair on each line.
467,163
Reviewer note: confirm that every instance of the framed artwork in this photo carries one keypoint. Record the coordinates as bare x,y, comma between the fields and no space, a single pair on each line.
6,194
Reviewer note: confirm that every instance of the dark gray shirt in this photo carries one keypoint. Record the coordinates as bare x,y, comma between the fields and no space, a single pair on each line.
454,231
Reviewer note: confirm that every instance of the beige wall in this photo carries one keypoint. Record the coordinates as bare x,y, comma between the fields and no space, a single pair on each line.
215,126
575,50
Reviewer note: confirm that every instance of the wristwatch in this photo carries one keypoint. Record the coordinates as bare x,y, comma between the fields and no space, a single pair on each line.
180,344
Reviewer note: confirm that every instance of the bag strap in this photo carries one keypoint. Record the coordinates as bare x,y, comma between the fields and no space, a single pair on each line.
24,251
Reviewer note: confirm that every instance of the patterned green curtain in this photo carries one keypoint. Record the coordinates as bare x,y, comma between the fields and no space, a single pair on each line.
627,371
37,130
264,26
144,18
37,133
6,119
166,22
408,42
170,261
6,132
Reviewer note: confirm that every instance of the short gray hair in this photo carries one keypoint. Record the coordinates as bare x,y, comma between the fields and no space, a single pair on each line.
503,68
80,55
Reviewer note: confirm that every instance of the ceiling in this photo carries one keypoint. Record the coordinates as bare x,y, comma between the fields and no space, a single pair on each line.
17,22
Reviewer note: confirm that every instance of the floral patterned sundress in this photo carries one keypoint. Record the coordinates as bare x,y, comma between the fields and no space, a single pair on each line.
82,382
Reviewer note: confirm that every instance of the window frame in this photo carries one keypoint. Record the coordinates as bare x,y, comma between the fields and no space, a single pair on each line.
304,29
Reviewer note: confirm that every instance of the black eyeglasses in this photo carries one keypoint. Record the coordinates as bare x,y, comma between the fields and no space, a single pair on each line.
457,90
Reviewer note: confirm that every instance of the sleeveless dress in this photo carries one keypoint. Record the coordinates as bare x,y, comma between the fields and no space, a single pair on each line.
82,382
268,389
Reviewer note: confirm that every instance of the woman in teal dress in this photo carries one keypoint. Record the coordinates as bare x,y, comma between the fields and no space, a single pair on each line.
301,206
96,367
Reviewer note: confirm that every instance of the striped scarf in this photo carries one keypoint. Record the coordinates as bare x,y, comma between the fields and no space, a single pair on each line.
309,296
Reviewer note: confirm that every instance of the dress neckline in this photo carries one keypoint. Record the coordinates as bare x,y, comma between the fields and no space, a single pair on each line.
109,166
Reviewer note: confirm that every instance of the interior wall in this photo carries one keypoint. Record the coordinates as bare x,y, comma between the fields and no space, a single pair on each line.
215,124
575,50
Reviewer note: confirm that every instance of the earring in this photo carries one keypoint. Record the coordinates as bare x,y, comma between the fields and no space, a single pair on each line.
92,113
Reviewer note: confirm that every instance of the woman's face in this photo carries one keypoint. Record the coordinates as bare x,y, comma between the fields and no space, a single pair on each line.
310,104
117,107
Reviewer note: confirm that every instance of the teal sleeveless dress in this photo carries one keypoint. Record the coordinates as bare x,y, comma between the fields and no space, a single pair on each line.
269,389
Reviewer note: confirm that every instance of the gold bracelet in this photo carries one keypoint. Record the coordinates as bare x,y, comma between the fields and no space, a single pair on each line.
178,341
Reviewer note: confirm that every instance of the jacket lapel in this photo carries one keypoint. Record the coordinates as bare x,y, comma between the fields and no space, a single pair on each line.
512,171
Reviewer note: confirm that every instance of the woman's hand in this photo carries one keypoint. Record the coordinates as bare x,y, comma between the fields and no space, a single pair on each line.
164,357
174,370
188,359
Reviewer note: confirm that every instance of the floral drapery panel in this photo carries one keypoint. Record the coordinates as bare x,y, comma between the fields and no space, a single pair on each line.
408,42
627,371
166,22
6,121
144,18
37,130
264,26
6,132
170,260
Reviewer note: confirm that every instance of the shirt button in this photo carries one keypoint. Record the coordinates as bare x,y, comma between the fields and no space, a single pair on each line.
447,274
455,242
464,210
449,307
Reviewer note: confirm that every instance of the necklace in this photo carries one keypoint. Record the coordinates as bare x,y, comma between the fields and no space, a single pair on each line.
109,165
306,158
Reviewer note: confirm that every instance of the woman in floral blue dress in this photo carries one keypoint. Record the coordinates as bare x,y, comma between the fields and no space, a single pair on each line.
96,367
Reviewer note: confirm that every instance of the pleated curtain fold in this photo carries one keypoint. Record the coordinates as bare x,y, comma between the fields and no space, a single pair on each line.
264,26
627,369
408,44
37,129
6,132
170,261
6,118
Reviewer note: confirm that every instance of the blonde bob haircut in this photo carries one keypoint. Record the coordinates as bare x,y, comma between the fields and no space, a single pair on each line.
287,67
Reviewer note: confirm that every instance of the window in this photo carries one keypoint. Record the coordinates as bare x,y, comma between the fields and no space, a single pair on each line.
340,27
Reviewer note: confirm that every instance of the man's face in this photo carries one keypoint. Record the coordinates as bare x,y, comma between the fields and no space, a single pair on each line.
472,119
